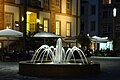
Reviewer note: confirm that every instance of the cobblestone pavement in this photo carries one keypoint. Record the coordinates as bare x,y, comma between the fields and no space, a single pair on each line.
110,70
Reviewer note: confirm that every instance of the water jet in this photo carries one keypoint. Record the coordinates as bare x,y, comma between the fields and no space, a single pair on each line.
50,61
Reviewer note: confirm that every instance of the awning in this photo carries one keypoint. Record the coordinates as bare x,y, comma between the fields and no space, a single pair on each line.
99,39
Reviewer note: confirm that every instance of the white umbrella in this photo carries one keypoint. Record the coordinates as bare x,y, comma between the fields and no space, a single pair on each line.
99,39
46,35
10,33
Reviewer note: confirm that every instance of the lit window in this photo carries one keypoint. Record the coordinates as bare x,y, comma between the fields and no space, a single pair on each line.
68,29
58,27
46,25
31,21
0,44
106,1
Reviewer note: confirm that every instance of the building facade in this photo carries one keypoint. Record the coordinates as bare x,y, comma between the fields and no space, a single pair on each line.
90,17
110,21
110,24
9,13
97,21
106,20
61,17
56,16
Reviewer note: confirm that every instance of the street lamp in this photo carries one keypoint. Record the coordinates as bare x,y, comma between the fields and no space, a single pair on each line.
114,16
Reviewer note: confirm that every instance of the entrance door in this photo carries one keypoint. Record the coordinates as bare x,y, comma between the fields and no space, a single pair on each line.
31,22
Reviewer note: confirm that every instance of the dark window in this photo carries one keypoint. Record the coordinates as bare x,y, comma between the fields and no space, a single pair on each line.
104,14
46,2
117,0
93,10
82,10
58,6
107,14
10,1
82,26
106,28
34,3
92,25
117,27
46,5
69,6
58,2
118,12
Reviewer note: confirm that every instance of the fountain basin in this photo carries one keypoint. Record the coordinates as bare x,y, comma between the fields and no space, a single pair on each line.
47,69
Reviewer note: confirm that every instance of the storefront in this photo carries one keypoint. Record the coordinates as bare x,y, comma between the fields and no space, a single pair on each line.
102,43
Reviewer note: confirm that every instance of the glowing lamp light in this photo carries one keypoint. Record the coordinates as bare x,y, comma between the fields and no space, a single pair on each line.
40,27
22,18
7,27
38,20
28,12
16,24
114,12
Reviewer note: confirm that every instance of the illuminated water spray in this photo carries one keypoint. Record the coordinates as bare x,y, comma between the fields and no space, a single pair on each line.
58,55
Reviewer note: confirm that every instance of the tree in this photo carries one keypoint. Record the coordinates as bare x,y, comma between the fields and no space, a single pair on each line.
85,41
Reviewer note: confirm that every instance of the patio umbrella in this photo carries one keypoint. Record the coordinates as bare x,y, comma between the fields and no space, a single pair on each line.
46,35
8,33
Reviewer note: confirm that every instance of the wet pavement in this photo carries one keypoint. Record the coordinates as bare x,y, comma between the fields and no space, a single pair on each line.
110,70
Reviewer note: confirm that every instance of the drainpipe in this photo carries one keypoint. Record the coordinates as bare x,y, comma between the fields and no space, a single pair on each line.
24,29
76,20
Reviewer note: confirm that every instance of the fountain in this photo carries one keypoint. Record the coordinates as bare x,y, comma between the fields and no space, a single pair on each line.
50,61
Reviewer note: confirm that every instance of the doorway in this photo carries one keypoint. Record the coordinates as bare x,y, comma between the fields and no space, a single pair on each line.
31,22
